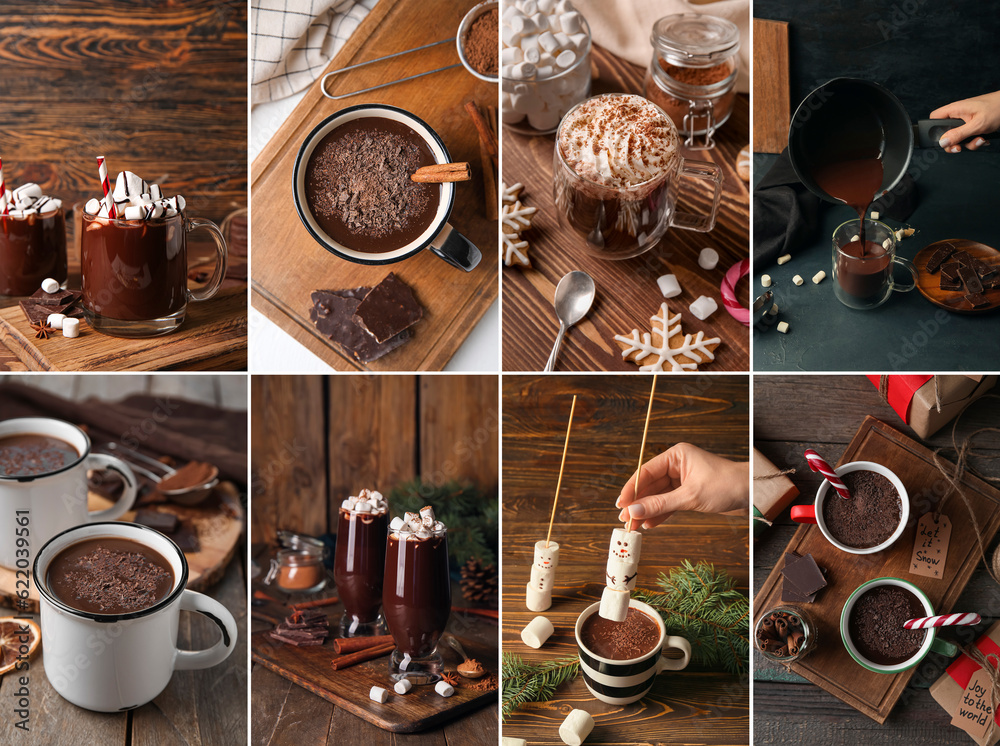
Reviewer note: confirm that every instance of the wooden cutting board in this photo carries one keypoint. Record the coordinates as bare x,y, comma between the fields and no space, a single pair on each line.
771,106
627,294
218,529
213,337
830,666
420,709
288,264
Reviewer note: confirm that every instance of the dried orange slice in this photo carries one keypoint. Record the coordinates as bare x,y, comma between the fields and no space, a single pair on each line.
13,644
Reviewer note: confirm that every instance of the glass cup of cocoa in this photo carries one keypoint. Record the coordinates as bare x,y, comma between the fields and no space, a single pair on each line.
32,248
871,626
617,176
619,660
354,195
359,563
871,520
863,271
135,273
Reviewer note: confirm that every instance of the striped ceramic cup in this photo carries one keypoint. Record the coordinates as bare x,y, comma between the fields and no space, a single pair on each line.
621,682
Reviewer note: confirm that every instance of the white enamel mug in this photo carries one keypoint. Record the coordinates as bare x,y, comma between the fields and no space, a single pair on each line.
115,662
53,501
622,682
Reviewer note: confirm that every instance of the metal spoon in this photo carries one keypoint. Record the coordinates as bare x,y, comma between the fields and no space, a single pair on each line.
184,496
574,297
466,668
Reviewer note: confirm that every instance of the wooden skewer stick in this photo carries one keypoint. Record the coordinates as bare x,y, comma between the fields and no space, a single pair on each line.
642,449
439,173
562,464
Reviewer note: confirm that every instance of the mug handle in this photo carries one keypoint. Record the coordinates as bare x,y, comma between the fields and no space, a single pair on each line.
102,461
192,660
455,249
222,257
945,648
804,513
702,171
674,664
904,262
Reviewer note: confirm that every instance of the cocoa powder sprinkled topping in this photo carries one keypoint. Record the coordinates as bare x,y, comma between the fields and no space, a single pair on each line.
116,581
631,638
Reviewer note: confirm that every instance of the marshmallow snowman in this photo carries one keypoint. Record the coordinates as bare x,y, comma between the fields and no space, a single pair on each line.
538,593
621,573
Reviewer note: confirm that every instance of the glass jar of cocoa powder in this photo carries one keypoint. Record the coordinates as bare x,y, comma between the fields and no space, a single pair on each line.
692,74
298,570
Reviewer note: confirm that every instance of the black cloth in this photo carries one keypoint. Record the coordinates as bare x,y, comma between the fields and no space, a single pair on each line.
786,215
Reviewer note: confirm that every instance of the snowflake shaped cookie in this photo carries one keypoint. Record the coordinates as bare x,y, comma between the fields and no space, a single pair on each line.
516,219
667,348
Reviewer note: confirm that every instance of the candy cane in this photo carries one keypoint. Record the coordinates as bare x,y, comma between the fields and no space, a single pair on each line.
737,272
817,464
3,190
102,170
943,620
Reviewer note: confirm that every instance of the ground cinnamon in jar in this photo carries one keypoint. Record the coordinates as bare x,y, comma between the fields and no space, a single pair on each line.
678,108
299,570
481,47
697,75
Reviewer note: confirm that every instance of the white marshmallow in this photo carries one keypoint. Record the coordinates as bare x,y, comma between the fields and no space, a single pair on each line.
785,258
544,120
55,320
427,512
669,285
27,193
427,522
509,36
819,277
155,192
625,545
562,40
765,281
566,58
545,71
547,42
875,214
508,741
444,688
363,506
529,7
621,575
542,578
403,686
614,604
704,307
783,327
576,727
535,598
511,56
708,258
546,6
524,71
50,285
541,22
537,632
346,505
438,526
411,517
546,556
395,524
93,206
580,41
378,694
798,279
530,50
570,23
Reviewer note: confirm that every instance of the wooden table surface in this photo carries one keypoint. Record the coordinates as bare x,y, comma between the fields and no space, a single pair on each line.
792,413
627,294
691,707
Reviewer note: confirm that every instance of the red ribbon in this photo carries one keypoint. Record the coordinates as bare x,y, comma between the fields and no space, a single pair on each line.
901,390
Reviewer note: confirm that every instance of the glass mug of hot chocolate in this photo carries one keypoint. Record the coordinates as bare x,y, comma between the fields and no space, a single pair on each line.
43,485
32,240
134,260
617,174
359,563
868,524
353,192
863,265
871,626
416,595
619,660
111,598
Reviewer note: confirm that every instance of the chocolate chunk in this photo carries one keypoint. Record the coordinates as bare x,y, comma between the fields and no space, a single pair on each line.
389,308
804,575
186,538
950,283
972,282
36,313
964,258
789,594
333,315
992,282
938,257
978,300
164,522
58,298
983,269
950,270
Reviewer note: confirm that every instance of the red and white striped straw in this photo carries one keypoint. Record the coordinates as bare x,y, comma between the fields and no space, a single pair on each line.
3,189
816,463
102,169
943,620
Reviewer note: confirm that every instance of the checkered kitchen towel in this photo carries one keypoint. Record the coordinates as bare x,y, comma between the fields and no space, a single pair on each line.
293,40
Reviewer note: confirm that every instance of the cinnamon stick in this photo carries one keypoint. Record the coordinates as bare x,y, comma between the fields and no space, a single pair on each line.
488,613
353,644
319,602
485,136
361,656
440,173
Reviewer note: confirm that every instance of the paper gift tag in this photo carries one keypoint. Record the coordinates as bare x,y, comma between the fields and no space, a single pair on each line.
930,548
974,709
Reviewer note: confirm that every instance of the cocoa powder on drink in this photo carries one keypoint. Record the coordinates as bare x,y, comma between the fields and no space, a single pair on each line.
876,625
869,516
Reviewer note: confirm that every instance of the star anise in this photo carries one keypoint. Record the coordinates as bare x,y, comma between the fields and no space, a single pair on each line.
451,677
42,330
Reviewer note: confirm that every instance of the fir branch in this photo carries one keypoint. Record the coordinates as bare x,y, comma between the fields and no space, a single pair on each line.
524,682
700,604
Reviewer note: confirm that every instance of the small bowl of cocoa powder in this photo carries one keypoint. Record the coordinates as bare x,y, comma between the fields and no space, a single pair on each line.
478,41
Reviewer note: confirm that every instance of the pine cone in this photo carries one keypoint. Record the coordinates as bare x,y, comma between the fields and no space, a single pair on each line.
479,584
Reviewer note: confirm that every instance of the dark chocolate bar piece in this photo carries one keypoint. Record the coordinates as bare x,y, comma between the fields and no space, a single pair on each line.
163,522
58,298
964,258
972,282
36,313
991,283
333,314
978,300
938,257
389,308
950,283
804,575
983,269
950,270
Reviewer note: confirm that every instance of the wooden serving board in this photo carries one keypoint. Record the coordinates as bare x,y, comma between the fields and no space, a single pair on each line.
830,666
213,337
420,709
929,284
288,264
772,108
218,534
627,294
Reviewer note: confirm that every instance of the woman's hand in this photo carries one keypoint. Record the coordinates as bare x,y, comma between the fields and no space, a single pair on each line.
981,114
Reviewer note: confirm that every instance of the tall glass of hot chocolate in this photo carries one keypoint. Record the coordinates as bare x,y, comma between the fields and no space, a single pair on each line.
617,171
32,239
359,564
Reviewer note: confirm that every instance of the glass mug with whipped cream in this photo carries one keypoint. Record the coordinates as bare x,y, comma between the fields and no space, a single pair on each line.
617,171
